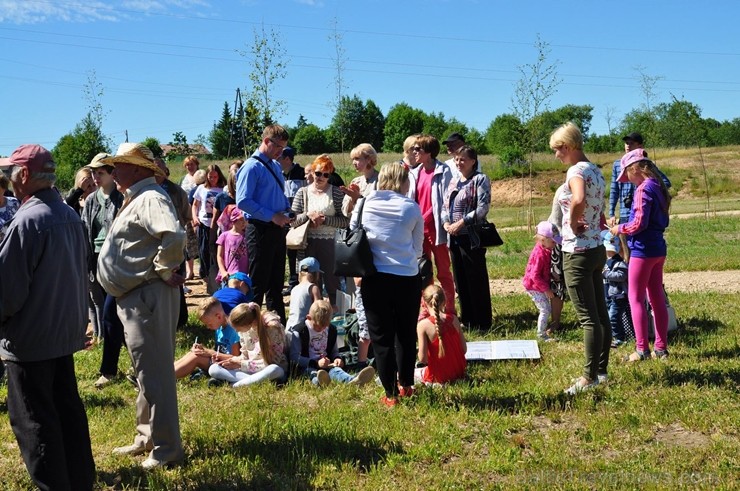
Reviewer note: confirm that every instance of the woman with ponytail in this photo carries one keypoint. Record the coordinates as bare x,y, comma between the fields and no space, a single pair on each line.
442,343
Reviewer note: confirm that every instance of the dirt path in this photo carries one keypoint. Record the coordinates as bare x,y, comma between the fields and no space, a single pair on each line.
694,281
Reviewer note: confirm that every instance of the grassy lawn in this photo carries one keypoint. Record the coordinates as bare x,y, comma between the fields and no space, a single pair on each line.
657,425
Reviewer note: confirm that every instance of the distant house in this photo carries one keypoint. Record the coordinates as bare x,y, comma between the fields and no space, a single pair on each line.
195,149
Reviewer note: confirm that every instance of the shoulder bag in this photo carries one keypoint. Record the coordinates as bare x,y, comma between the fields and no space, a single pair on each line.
485,232
352,254
297,237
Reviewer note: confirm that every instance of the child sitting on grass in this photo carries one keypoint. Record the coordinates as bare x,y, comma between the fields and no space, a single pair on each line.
314,349
262,339
212,314
537,275
306,292
442,344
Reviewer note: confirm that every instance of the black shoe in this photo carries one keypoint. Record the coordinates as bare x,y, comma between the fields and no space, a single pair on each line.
197,374
214,382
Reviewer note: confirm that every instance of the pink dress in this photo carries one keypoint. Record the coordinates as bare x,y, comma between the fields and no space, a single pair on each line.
236,257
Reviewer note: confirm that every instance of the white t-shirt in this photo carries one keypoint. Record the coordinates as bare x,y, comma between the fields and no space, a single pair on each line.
207,198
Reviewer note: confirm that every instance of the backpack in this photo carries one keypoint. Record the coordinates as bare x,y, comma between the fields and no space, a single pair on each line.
349,352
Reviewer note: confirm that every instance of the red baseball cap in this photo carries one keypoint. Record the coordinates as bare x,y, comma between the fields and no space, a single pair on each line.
33,157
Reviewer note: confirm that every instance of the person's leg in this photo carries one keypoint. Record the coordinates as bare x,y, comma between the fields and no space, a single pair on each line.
578,277
459,276
602,313
375,291
444,274
556,310
149,316
292,271
97,298
323,251
615,320
113,338
339,375
259,266
638,274
363,341
203,250
276,279
220,373
38,426
656,297
477,275
404,301
185,365
270,372
75,430
543,306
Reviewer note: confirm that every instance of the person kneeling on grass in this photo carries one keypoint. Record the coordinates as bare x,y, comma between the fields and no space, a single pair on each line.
239,290
442,344
211,313
314,349
263,354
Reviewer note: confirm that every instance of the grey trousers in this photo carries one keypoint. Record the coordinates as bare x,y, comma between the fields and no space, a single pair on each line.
149,316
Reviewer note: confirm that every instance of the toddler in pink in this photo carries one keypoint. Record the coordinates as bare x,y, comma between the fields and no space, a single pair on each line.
537,275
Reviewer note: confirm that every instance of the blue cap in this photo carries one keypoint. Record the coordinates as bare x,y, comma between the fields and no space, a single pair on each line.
310,264
242,277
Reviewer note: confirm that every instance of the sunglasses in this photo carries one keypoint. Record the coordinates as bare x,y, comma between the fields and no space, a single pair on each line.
325,175
417,149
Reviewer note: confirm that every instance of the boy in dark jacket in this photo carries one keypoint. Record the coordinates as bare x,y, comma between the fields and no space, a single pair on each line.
615,289
314,349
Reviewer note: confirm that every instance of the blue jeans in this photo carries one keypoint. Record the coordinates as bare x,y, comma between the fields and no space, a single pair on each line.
336,374
616,310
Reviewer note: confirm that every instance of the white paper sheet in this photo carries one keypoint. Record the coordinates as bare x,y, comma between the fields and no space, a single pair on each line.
503,350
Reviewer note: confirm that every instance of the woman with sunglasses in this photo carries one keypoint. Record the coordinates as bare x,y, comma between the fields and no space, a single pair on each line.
321,204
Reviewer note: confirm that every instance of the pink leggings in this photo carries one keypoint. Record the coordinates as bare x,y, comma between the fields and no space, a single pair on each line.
646,280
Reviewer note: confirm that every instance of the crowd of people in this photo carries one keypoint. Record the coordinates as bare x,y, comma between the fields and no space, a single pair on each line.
130,236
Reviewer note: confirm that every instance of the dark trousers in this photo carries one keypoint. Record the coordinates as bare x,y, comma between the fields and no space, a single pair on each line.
266,244
471,281
204,250
113,338
50,424
392,307
292,268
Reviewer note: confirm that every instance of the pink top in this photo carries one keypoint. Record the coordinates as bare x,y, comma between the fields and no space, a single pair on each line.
537,274
424,198
235,257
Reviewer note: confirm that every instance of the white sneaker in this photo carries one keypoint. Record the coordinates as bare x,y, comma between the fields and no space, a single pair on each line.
150,464
602,378
133,450
579,387
546,338
365,376
103,381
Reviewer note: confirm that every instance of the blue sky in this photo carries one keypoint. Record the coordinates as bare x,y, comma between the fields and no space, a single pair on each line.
169,65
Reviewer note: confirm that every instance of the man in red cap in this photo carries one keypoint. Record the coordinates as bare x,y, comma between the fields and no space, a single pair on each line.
43,317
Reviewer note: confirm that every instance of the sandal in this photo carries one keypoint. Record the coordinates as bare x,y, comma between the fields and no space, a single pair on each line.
637,356
660,354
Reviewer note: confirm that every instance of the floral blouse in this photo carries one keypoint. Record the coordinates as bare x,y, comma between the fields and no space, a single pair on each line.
595,187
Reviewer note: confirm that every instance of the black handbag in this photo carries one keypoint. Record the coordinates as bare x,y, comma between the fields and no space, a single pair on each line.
488,235
352,254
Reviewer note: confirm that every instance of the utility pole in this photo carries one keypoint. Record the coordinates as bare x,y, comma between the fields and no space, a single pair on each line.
238,110
126,132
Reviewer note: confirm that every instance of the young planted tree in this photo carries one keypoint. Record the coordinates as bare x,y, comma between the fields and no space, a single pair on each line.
269,62
537,84
340,125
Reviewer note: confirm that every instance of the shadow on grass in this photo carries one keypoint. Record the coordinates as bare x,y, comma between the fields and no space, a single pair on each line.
694,330
721,353
100,399
728,378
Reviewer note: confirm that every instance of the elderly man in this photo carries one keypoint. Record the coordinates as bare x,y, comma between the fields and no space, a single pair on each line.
137,265
260,193
43,317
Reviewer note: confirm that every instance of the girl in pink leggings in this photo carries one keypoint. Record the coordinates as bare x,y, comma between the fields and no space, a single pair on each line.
648,220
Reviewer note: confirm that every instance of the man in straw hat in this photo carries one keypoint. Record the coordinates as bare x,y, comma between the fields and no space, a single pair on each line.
43,317
137,265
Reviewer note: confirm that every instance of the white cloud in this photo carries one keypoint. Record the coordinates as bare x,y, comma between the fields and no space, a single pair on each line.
39,11
311,3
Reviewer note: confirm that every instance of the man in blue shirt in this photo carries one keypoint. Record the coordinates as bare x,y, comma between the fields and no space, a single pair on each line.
260,194
622,192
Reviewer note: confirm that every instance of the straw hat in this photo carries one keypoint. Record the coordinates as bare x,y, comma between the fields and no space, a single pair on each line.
134,154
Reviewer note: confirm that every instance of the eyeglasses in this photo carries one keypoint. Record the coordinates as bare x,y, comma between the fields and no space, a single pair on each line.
325,175
417,149
277,144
